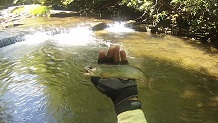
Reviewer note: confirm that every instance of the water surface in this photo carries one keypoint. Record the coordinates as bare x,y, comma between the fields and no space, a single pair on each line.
41,78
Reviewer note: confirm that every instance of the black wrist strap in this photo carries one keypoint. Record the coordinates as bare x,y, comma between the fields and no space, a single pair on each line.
127,105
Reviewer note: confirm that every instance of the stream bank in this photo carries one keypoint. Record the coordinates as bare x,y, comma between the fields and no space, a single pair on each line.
115,12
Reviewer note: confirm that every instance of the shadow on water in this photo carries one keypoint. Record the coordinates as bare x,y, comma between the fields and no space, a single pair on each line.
179,95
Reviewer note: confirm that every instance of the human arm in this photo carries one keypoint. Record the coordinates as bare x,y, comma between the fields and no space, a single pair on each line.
123,93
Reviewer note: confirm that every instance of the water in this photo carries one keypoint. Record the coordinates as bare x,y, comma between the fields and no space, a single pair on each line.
41,78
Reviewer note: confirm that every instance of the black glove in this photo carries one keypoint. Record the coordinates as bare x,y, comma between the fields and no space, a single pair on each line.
117,89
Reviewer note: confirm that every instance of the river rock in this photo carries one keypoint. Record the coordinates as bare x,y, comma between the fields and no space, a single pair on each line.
2,20
130,23
99,26
61,13
9,25
141,27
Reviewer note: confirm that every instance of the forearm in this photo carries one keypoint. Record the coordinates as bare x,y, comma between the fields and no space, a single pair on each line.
132,116
132,112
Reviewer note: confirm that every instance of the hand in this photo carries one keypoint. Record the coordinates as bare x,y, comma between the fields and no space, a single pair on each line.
113,56
117,89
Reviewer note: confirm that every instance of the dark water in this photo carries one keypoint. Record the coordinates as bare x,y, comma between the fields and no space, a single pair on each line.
41,78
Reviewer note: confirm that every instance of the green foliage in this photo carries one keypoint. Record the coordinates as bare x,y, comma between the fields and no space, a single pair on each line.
159,17
64,3
18,10
67,2
142,5
5,3
196,16
202,15
200,10
41,10
19,2
32,10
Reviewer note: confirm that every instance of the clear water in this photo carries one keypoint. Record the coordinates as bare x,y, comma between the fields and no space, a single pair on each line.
41,78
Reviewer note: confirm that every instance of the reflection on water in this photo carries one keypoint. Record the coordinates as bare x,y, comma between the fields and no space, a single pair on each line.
44,82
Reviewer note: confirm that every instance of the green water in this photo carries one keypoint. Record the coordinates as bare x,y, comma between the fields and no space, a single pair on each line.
41,79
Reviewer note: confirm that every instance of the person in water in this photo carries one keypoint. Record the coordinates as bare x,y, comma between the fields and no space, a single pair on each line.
123,93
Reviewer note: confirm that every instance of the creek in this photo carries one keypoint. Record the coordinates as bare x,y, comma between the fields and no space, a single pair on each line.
41,77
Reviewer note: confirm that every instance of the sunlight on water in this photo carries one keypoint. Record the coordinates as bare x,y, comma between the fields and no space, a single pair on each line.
78,36
119,27
37,37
